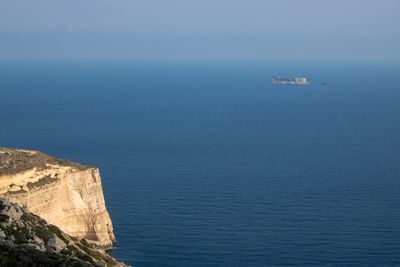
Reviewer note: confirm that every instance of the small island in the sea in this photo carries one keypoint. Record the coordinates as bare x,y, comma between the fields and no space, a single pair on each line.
281,80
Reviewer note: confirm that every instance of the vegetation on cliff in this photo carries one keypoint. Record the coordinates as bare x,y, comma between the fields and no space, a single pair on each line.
14,161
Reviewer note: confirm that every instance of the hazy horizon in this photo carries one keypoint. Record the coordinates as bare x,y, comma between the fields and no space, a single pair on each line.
193,30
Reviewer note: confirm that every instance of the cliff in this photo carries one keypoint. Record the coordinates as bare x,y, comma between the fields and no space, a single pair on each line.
66,194
27,240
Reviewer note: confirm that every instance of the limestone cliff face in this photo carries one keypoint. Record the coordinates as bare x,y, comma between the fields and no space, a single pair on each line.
66,194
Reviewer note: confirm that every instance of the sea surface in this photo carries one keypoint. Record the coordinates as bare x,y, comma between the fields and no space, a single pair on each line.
206,164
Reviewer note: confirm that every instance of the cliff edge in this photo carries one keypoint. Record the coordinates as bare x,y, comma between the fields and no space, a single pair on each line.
66,194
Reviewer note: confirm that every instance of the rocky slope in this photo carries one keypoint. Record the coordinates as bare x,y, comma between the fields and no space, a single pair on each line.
66,194
27,240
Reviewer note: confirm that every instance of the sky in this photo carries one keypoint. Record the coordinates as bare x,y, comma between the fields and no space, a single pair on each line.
351,30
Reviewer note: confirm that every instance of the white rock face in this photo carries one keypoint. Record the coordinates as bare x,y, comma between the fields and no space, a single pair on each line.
67,196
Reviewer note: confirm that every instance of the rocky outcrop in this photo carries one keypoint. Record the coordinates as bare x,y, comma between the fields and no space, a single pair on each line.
280,80
66,194
28,240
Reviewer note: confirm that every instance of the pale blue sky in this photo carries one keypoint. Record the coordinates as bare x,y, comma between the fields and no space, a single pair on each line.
207,29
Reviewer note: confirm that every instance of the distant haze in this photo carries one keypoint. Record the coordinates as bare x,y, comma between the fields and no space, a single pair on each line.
200,30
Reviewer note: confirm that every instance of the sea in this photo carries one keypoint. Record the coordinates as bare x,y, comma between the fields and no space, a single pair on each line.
204,163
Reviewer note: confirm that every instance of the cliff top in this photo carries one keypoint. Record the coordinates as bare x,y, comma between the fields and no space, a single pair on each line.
14,161
27,240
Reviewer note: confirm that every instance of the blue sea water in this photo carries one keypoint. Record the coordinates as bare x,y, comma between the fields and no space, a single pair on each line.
205,164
